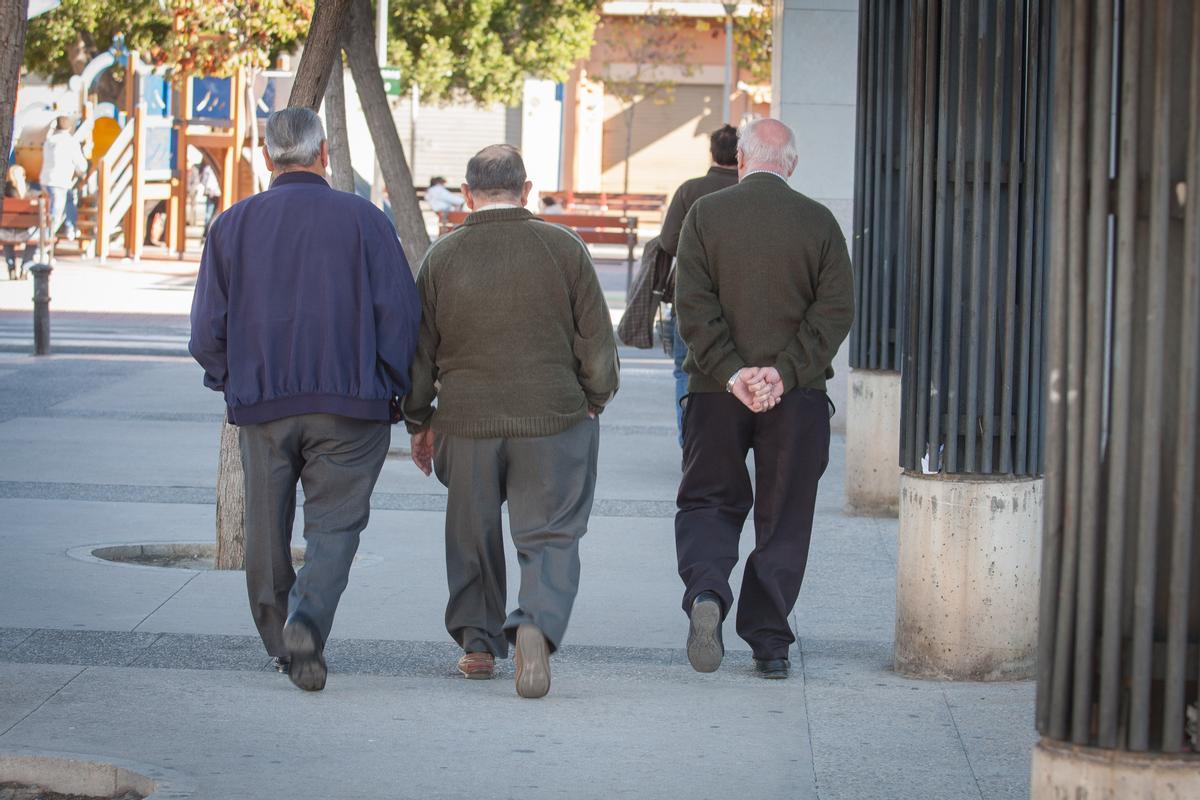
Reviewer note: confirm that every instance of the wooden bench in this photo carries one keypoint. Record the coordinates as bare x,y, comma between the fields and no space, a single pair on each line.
592,228
626,202
22,213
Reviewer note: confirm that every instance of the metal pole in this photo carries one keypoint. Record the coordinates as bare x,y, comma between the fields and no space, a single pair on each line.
726,112
41,308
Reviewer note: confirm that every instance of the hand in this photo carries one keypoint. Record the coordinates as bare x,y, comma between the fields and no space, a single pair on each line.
592,412
422,450
767,387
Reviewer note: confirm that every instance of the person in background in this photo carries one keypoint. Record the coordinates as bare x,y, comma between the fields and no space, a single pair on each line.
211,188
550,206
765,297
722,147
306,317
440,198
17,186
517,347
62,161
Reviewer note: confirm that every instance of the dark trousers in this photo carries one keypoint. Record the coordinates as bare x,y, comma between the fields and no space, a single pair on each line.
337,461
548,483
791,451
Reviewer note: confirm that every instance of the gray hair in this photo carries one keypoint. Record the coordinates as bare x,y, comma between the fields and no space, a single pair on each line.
294,137
768,143
496,169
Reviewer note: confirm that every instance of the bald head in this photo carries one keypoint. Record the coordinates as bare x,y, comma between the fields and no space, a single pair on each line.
767,144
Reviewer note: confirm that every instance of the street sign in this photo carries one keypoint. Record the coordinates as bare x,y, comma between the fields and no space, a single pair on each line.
391,80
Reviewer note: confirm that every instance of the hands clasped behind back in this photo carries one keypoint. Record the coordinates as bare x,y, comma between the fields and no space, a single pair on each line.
758,388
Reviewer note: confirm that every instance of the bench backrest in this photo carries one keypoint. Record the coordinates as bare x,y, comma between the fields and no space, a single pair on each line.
639,201
20,212
592,228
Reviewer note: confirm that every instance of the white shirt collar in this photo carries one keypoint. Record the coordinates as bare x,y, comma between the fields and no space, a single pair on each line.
491,206
765,171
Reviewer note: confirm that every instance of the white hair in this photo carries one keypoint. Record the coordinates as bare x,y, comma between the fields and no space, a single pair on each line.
294,137
768,151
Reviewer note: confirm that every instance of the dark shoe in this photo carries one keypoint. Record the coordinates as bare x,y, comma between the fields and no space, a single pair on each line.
532,660
281,664
705,648
12,272
477,666
773,668
303,640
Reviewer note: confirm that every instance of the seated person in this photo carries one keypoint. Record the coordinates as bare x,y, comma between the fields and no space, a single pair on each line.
17,186
440,198
550,206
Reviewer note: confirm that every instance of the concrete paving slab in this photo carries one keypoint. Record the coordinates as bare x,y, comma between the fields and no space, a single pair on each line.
251,734
996,724
159,388
106,648
24,687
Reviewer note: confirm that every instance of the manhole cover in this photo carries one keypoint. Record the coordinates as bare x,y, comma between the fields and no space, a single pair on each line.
186,555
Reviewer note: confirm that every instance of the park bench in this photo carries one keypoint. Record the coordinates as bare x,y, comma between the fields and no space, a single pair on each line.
21,213
625,201
592,228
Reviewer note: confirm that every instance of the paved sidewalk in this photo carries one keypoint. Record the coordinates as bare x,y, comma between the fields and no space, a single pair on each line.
161,666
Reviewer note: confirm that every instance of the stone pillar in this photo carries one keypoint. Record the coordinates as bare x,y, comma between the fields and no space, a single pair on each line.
1118,680
966,581
873,443
972,173
813,74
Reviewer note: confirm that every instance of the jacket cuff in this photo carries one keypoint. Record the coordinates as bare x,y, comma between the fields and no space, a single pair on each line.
726,367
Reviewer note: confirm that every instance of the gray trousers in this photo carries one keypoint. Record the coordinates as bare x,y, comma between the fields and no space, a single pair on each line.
549,483
337,461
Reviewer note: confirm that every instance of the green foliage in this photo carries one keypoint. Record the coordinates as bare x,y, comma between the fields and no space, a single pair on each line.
752,42
216,37
484,49
59,44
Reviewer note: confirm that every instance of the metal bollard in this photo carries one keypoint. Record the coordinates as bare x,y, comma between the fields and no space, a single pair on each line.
41,308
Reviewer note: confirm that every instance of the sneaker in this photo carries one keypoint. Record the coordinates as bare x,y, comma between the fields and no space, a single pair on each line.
532,661
477,666
307,669
705,647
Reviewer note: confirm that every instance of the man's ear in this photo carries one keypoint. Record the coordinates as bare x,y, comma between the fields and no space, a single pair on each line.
468,197
525,190
267,158
325,154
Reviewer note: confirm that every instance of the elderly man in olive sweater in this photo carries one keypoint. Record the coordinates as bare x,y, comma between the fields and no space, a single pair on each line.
305,316
517,347
765,296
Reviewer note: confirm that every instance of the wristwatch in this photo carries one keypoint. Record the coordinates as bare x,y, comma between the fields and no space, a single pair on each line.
732,380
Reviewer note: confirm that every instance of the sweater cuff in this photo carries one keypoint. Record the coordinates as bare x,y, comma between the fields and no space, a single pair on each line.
726,367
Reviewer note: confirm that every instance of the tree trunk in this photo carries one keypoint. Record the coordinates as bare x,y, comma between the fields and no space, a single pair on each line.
629,143
231,502
320,49
12,47
339,141
360,50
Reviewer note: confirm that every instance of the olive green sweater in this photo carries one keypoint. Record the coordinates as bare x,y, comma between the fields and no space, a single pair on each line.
763,280
516,338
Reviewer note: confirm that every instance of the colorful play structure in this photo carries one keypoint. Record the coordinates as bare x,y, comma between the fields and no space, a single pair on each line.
140,149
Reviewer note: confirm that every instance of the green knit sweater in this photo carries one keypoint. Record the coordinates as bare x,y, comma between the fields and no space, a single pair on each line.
516,338
763,279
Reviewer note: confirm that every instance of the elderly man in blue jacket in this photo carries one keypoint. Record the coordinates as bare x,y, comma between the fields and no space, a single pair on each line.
306,317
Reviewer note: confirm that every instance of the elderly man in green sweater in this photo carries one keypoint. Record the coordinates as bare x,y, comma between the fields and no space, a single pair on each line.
765,296
517,347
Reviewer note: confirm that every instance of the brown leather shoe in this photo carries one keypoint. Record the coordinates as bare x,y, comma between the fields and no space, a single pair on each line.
532,660
477,666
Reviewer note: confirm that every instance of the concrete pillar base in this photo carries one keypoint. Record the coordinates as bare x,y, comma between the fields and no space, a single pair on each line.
967,577
873,443
1085,773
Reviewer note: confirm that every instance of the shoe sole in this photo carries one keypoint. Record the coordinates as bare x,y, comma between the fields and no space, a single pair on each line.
773,676
307,670
704,647
533,678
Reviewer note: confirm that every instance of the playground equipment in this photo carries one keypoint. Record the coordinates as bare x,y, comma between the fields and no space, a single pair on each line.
140,148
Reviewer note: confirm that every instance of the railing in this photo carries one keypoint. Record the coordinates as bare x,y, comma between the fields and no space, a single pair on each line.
114,188
1120,616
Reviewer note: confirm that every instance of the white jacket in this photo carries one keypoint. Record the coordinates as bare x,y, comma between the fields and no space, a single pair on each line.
62,159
